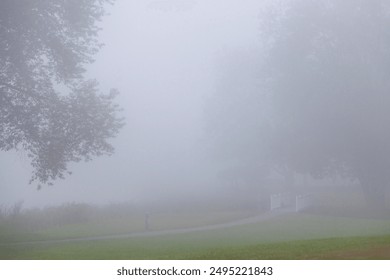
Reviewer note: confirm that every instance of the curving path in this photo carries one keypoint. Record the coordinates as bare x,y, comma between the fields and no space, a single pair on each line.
250,220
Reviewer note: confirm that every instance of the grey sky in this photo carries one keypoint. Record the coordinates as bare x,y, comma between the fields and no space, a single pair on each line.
161,56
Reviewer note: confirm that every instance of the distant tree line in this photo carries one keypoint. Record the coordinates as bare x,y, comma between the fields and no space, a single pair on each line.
315,98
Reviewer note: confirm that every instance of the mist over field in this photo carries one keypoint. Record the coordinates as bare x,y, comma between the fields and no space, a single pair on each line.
230,99
161,57
194,129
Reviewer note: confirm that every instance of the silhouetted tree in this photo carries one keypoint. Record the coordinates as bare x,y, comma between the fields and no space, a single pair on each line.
327,69
47,107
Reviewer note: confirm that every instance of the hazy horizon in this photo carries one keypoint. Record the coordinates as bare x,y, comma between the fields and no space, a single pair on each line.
162,59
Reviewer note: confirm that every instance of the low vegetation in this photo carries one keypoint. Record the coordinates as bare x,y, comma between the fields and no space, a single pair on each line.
342,230
81,220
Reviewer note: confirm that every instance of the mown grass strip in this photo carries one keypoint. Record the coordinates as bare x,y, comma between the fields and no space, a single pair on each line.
367,247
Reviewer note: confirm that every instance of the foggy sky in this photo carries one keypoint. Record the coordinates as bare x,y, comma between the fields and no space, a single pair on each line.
161,56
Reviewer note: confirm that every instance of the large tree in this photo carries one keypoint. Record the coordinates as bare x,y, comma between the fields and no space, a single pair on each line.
47,106
328,70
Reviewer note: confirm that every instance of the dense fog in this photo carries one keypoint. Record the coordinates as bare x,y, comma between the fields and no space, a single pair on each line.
161,56
231,99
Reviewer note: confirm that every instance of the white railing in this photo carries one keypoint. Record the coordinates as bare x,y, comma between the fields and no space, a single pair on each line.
287,200
303,202
282,200
276,201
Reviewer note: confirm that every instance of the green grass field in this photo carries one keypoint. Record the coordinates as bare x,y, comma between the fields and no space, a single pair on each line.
294,236
339,227
14,231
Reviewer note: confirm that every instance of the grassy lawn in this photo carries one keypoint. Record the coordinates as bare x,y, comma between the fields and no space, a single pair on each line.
135,223
371,247
285,237
11,231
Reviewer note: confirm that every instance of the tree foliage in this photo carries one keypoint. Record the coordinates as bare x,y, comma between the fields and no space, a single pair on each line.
315,98
328,71
47,107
